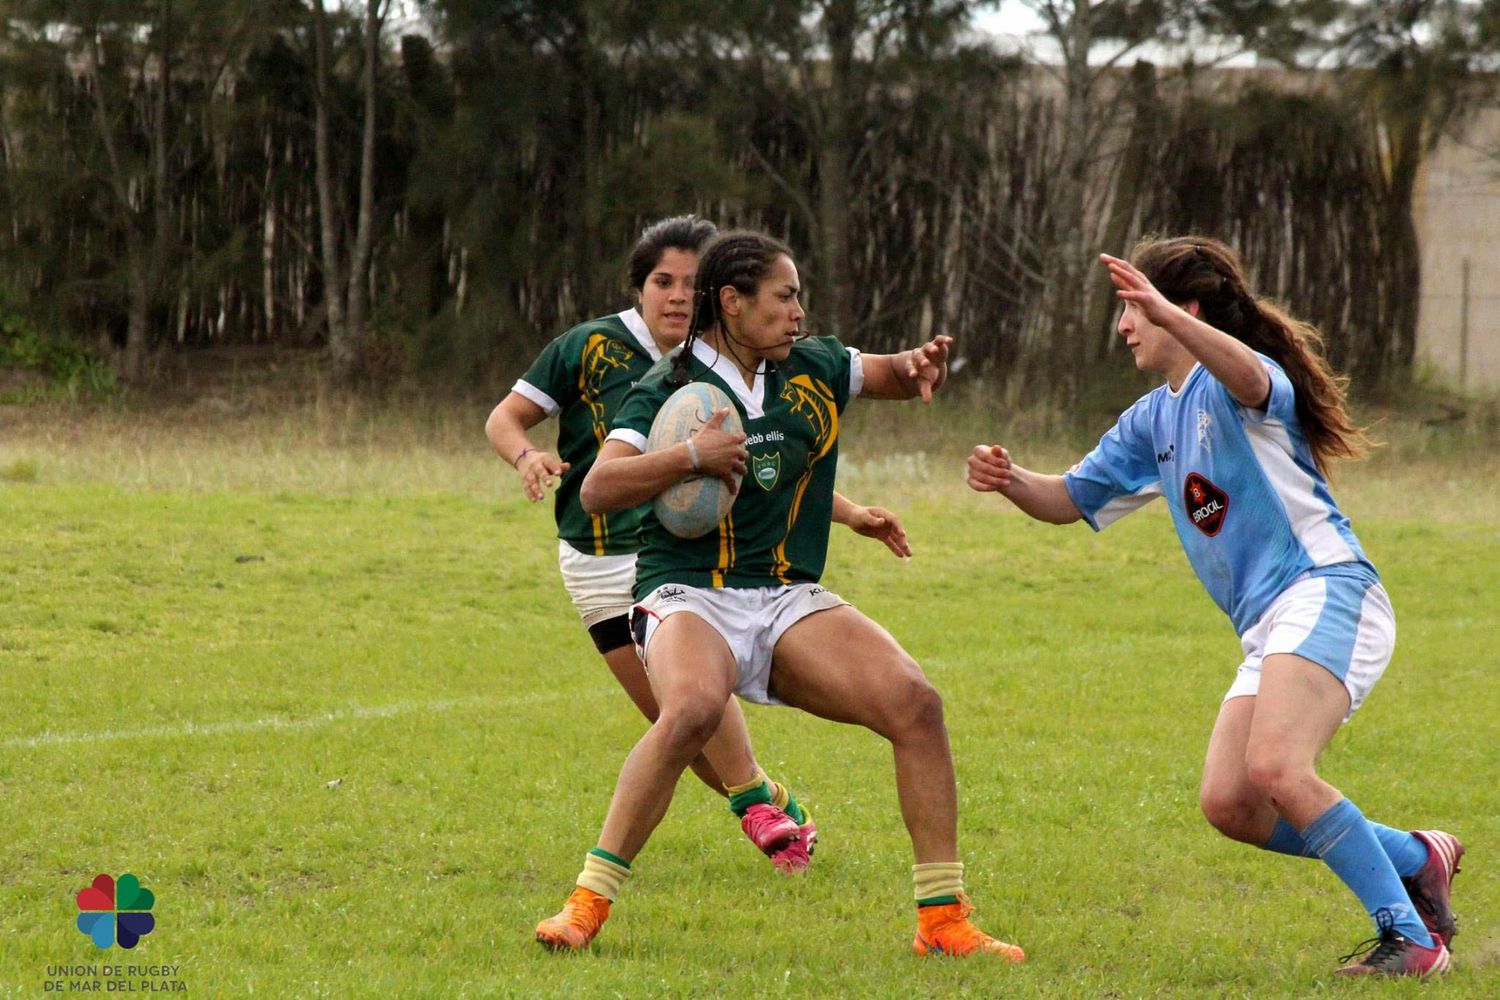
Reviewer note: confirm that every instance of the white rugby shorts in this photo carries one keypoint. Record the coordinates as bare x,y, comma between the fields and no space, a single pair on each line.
600,586
1343,623
750,619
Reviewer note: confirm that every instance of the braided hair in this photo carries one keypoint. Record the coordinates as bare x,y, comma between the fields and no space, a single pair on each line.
739,259
1188,268
680,232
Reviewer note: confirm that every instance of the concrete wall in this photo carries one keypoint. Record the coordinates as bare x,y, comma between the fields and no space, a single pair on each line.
1458,219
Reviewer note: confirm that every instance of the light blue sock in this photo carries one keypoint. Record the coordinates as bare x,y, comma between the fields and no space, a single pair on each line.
1346,842
1286,840
1407,853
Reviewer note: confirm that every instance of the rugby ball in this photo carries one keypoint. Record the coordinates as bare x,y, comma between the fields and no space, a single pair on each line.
692,507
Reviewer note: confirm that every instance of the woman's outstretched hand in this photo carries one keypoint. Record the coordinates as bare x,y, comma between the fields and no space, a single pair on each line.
989,469
928,365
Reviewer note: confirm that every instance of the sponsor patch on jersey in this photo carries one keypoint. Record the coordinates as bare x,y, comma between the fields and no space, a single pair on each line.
1205,503
766,469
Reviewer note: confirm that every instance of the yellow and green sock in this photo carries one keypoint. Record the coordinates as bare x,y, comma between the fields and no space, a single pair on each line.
604,873
938,883
782,798
761,790
756,791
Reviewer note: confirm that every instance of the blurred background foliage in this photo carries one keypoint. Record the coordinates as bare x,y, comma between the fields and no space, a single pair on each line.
435,191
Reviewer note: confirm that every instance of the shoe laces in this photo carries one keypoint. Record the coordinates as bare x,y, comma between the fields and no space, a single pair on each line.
759,817
1384,945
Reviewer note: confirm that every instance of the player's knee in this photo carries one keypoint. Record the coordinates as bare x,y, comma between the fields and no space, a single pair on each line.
688,726
917,708
1229,811
1273,774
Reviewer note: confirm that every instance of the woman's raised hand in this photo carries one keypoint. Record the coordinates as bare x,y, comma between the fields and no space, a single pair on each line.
1133,286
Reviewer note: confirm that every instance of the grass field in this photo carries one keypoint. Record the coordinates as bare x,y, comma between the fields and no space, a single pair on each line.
312,677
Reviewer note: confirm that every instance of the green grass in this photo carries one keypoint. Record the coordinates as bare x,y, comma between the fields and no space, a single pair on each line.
207,618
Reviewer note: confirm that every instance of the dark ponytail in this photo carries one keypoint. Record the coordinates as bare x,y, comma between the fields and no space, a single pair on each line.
1205,270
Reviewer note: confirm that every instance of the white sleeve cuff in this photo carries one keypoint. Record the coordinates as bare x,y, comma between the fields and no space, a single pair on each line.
635,439
856,371
537,396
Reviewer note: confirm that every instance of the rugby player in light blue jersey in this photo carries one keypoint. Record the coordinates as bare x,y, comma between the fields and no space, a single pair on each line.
1238,442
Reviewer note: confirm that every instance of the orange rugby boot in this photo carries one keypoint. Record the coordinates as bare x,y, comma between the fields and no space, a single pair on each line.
946,930
575,925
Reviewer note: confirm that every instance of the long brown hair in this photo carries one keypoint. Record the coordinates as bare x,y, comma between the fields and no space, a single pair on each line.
1188,268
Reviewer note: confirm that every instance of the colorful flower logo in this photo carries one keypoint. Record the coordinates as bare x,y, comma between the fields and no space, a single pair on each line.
116,912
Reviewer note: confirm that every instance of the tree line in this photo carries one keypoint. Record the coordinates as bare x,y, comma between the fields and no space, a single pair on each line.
447,193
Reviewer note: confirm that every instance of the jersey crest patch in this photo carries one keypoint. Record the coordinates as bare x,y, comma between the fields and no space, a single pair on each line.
766,469
1205,503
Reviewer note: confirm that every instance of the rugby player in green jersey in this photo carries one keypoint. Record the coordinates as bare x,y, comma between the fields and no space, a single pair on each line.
740,611
580,378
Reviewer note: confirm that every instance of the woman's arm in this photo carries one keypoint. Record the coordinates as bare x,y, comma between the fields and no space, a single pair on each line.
1045,498
506,428
1233,363
623,477
919,371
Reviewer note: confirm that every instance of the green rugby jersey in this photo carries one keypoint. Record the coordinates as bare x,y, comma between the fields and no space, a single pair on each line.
581,378
777,531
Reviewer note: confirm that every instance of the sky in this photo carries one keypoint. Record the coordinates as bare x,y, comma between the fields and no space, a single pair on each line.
1013,25
1011,17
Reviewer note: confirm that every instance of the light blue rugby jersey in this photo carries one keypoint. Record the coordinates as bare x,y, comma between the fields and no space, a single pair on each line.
1252,510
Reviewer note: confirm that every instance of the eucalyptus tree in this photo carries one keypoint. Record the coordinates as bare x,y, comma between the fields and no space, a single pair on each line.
1106,118
146,68
346,249
824,70
573,123
1413,69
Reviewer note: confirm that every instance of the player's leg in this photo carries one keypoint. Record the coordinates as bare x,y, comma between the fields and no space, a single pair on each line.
1425,859
1344,623
1300,706
692,676
768,812
600,589
840,665
625,664
1234,806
